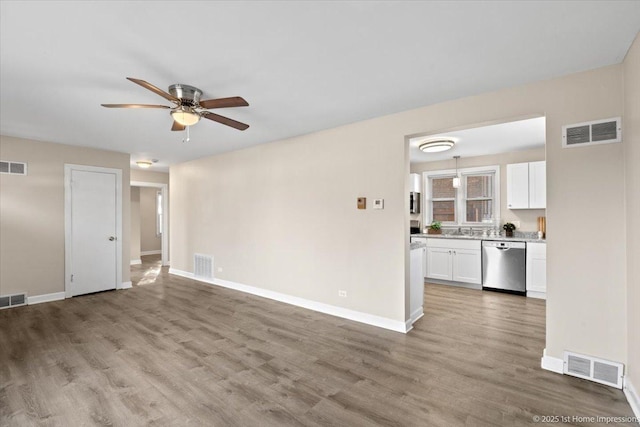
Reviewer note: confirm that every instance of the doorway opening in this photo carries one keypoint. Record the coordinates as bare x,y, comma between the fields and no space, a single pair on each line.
490,179
149,223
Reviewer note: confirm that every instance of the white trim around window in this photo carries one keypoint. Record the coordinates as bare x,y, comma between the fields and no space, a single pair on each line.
460,200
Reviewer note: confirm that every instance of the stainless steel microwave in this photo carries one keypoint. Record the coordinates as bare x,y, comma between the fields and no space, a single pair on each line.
414,202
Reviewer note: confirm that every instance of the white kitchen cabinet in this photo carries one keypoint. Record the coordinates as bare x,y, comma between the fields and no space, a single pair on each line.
424,257
467,266
415,183
536,270
527,185
537,185
439,263
518,186
454,260
416,294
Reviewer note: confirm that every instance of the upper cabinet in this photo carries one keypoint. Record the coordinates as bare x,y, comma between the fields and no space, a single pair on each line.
527,185
415,185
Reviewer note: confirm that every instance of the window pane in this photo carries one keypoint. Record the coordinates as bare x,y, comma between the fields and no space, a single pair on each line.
442,188
479,186
444,211
479,210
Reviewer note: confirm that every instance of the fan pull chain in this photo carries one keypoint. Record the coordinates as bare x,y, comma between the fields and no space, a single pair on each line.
188,137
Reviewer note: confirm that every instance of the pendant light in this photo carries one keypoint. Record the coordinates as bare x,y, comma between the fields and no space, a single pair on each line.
456,180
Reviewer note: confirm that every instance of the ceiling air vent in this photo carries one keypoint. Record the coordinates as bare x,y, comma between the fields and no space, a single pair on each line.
594,369
591,133
13,168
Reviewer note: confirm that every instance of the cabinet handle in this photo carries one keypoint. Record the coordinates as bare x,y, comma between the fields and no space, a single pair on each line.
449,252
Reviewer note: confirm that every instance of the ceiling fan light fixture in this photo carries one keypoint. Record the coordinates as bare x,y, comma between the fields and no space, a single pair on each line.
436,146
144,164
185,116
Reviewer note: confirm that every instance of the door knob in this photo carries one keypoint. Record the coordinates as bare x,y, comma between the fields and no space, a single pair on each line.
111,239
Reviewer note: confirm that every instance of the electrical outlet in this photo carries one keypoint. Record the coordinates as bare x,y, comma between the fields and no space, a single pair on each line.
342,294
219,269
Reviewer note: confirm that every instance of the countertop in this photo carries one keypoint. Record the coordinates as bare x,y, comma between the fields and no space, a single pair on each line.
480,237
418,245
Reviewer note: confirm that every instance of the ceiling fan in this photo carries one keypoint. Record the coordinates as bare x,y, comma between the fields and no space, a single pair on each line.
189,108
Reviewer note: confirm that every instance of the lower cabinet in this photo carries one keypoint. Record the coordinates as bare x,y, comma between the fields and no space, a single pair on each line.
424,258
536,270
454,260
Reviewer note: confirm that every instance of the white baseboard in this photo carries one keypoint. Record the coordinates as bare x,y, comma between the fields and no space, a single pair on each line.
136,261
417,314
142,253
539,295
56,296
408,325
552,364
345,313
632,396
125,285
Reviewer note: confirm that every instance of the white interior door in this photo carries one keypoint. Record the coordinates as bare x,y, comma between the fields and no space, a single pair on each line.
93,232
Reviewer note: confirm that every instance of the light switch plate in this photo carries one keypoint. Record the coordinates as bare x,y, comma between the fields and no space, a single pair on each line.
378,203
362,203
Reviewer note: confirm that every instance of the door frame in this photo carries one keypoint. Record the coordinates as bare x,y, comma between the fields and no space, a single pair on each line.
68,169
164,188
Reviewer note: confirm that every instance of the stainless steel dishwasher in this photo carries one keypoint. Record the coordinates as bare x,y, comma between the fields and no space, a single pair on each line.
503,266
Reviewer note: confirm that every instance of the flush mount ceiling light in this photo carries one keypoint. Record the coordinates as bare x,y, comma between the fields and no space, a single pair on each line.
436,145
144,164
185,116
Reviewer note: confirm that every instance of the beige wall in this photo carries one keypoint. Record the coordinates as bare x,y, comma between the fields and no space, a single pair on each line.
631,138
282,216
135,224
149,241
528,217
149,176
32,213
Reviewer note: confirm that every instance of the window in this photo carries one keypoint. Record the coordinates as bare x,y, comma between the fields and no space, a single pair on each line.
479,197
474,203
159,214
443,200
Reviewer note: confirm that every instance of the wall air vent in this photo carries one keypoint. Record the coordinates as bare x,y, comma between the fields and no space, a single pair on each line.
591,133
203,266
594,369
14,300
13,168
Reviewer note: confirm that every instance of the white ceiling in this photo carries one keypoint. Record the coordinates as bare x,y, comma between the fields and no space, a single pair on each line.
499,138
303,66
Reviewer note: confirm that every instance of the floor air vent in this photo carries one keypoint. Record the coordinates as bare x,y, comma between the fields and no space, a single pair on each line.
203,266
15,300
590,133
594,369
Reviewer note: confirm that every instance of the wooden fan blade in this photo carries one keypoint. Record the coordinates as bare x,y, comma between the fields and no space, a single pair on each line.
224,120
133,106
154,89
234,101
177,126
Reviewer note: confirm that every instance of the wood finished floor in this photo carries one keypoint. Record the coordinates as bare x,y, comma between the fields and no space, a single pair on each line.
172,351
